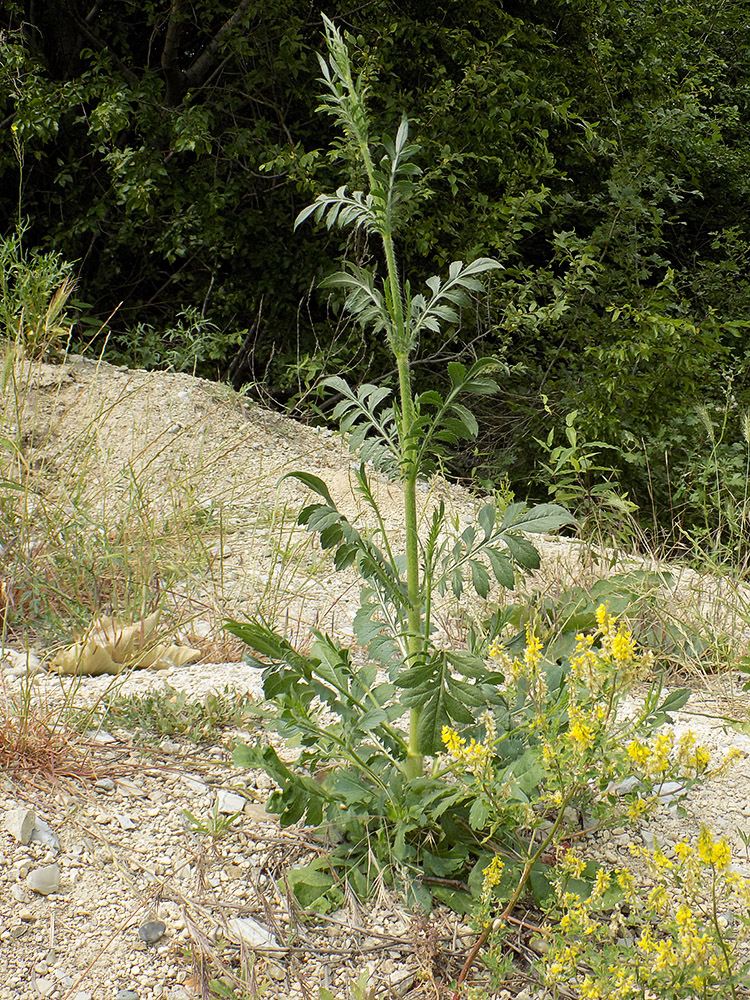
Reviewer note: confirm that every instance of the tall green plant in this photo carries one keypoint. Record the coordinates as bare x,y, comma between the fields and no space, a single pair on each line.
403,436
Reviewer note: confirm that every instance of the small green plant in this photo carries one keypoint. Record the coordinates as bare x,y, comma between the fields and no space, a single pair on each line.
576,477
359,989
34,292
714,497
214,824
744,836
175,713
186,346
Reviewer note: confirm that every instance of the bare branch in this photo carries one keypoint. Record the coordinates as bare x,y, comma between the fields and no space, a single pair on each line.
174,76
201,67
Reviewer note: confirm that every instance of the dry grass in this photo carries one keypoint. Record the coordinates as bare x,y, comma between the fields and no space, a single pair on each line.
36,743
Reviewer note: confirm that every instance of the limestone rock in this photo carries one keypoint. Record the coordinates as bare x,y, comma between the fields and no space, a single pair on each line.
44,880
19,823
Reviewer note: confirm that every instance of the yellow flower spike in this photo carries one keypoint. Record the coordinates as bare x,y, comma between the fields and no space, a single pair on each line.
532,656
639,807
581,736
492,876
490,728
713,853
497,652
639,752
602,882
548,753
623,646
452,741
683,850
572,865
473,757
607,624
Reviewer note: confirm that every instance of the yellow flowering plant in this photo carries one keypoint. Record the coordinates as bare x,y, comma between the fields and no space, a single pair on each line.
684,937
564,750
453,767
566,760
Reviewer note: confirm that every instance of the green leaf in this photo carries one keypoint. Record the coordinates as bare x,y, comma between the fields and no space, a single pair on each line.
469,694
309,885
480,579
501,567
675,700
479,813
523,552
486,518
455,709
467,418
469,664
546,517
541,880
433,717
312,482
458,901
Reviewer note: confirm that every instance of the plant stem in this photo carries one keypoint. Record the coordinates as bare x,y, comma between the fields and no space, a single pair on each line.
414,762
517,892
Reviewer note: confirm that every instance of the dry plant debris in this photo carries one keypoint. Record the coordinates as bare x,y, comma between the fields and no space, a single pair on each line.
110,647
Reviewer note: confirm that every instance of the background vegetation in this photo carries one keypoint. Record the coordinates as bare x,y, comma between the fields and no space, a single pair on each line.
598,149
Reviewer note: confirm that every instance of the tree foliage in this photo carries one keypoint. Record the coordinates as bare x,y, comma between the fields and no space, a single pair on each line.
599,150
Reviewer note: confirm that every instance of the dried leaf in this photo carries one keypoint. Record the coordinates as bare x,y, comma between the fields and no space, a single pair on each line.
111,647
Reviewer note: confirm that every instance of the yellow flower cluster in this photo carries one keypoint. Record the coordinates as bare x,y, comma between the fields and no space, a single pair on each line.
498,654
618,654
688,947
572,865
532,655
528,667
680,950
709,853
663,753
474,757
581,736
491,876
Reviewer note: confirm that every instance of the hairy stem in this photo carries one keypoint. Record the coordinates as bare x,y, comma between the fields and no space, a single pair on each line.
409,471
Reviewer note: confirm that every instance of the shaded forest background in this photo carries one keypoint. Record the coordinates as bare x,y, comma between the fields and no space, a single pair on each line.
600,150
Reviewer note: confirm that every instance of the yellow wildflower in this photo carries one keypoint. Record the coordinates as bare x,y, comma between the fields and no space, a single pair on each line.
623,646
532,655
638,752
692,758
497,652
452,741
602,882
492,876
715,853
572,865
604,620
474,757
639,807
581,736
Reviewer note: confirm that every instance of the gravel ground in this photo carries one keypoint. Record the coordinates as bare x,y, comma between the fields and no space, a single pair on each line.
130,866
